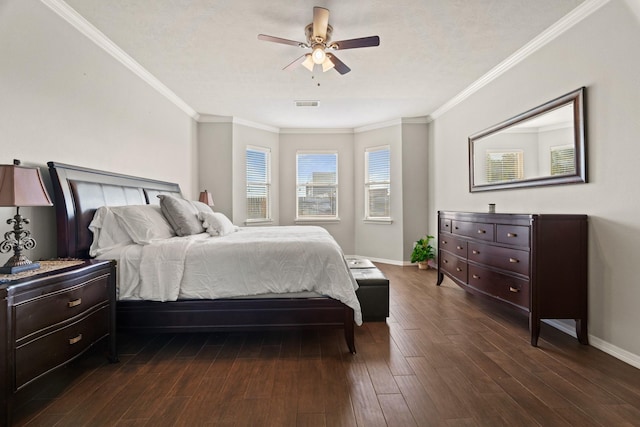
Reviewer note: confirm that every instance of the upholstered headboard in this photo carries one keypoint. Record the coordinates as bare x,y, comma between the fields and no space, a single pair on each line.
80,191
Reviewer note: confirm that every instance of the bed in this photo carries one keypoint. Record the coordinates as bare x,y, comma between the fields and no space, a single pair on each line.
80,191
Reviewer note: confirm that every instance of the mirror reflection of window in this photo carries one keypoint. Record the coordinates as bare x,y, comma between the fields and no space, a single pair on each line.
563,160
504,166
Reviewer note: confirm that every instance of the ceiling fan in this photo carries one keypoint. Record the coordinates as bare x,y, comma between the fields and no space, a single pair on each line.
319,41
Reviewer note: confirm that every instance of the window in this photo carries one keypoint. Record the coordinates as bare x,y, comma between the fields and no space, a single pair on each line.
317,185
377,183
563,160
504,166
258,184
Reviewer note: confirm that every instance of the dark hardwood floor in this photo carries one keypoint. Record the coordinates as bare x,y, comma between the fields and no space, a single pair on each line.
443,358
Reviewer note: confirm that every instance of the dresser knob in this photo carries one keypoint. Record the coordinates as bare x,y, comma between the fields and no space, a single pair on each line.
475,252
515,290
74,303
475,276
446,262
512,234
514,261
460,247
458,269
482,231
75,339
444,242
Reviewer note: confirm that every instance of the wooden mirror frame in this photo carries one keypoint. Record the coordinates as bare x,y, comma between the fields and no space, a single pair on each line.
576,99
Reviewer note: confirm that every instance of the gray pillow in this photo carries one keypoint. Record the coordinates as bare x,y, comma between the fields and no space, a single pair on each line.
181,214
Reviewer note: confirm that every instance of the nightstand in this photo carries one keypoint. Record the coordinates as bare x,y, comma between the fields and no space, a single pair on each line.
50,317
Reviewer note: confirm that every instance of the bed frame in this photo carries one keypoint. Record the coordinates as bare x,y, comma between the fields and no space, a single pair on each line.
80,191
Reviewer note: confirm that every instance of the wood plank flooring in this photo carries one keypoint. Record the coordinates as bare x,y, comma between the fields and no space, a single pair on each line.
443,358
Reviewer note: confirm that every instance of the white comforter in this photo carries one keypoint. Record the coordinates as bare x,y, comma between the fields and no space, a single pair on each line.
251,261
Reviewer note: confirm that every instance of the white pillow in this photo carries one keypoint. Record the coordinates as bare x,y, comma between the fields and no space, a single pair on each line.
144,223
107,232
216,223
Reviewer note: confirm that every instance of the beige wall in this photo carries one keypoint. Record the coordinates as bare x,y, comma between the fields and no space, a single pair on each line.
65,99
601,53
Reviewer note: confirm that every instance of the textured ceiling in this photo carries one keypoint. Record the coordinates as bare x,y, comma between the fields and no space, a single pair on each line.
208,54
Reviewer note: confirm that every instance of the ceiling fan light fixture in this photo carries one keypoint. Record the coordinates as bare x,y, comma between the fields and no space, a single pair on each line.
308,63
318,54
327,64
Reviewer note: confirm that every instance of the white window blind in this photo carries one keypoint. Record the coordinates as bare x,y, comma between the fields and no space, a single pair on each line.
504,166
317,185
377,185
563,160
258,184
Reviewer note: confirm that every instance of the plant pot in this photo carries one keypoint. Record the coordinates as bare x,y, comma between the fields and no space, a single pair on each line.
423,265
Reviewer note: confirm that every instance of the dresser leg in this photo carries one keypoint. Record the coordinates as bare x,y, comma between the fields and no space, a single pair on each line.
440,278
581,331
534,328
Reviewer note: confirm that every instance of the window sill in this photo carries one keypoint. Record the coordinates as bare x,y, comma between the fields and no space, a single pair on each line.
377,221
258,221
317,220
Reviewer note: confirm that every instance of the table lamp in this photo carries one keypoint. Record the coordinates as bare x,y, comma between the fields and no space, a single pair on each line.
206,198
20,186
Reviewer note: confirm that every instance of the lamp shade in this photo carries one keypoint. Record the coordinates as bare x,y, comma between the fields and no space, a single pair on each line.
206,197
22,186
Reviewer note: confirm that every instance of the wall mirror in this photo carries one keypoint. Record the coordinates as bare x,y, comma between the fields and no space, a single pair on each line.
543,146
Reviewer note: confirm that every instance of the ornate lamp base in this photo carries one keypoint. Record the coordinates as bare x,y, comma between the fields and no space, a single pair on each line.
20,240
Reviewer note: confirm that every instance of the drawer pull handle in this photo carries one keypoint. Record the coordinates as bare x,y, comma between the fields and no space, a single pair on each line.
74,303
475,276
75,339
458,269
444,242
514,260
512,289
460,247
475,252
512,234
481,231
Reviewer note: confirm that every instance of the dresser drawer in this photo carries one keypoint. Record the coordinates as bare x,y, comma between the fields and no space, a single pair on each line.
475,230
457,267
53,308
505,258
453,245
499,285
445,225
517,235
49,351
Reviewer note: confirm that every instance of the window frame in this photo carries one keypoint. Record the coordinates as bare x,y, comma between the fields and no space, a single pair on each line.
368,183
335,186
266,184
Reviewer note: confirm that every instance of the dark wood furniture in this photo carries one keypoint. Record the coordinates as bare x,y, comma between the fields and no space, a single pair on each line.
373,291
50,319
537,263
80,191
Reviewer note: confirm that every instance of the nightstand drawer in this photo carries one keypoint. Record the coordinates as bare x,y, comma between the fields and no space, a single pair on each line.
53,308
52,350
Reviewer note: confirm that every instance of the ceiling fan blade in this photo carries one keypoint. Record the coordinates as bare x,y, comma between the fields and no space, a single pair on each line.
355,43
340,66
320,22
267,38
297,62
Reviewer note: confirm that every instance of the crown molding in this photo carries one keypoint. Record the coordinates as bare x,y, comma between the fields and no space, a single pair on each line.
67,13
210,118
247,123
315,131
567,22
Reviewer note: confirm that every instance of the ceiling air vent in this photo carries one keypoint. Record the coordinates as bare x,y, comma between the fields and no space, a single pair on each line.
307,103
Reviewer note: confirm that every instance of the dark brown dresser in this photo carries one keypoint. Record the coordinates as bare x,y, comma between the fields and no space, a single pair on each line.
534,262
50,318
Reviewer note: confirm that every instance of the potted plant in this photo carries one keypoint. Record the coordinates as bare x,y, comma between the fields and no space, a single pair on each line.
423,252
